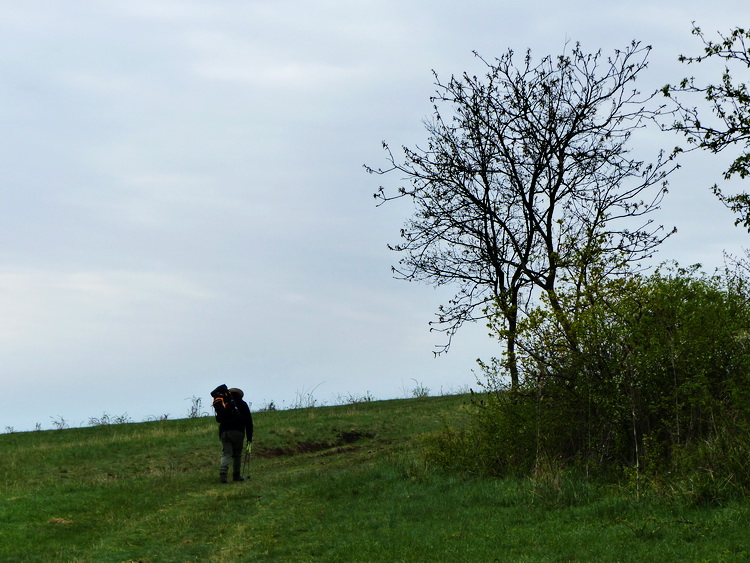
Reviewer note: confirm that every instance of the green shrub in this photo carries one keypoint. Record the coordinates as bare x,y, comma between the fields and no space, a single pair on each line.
649,379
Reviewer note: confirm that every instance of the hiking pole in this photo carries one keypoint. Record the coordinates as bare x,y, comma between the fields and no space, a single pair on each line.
246,464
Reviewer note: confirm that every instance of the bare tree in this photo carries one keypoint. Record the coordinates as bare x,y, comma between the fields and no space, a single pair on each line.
522,181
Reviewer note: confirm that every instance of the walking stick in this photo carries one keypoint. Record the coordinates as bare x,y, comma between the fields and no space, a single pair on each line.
246,463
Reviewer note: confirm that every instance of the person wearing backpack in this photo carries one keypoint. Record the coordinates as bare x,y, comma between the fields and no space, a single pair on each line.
235,424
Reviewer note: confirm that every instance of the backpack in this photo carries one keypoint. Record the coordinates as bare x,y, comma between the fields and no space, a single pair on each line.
225,407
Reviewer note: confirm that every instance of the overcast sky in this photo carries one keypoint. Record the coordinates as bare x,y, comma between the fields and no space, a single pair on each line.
183,203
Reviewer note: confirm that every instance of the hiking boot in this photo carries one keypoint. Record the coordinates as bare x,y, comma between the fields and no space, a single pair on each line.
223,478
238,477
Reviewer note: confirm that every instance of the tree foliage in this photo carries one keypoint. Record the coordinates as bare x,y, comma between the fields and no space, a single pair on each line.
662,388
724,121
527,183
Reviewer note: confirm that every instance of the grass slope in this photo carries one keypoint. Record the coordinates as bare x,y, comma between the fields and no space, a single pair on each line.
339,483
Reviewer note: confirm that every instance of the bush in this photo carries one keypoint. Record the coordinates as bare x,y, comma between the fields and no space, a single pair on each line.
650,375
496,441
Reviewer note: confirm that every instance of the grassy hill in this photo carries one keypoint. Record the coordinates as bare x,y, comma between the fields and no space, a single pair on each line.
342,483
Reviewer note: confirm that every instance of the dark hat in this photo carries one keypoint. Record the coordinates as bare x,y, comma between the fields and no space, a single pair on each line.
238,391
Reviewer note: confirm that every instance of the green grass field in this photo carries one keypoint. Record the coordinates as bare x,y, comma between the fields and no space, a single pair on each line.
341,483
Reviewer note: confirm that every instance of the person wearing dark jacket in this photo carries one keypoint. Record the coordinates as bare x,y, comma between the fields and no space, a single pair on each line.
234,426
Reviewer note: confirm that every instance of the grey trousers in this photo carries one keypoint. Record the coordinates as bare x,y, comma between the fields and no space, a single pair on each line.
231,450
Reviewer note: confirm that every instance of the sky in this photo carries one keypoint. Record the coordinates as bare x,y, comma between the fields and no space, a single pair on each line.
183,201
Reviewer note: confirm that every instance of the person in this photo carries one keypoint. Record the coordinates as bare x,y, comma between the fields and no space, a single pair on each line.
234,427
